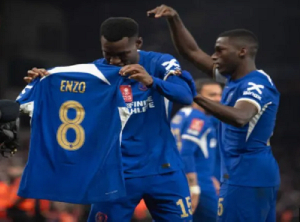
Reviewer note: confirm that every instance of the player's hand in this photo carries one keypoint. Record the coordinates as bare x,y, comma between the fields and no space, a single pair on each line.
216,184
35,72
138,73
195,201
162,11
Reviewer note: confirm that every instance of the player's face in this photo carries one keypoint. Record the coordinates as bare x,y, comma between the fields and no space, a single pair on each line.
226,56
212,92
123,52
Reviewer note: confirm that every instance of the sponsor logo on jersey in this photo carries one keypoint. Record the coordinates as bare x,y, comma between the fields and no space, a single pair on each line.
171,65
127,93
249,93
141,106
255,87
254,90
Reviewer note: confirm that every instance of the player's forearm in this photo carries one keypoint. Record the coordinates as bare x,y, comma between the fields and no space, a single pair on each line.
226,114
174,89
192,179
187,46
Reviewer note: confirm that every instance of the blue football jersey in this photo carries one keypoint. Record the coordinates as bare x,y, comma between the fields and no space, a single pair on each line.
196,140
78,114
246,155
148,146
217,167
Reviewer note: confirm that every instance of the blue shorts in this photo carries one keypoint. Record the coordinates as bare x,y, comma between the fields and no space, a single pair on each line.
166,195
247,204
207,207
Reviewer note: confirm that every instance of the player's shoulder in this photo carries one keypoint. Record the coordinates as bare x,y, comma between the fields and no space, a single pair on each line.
158,57
259,76
101,71
259,80
152,54
181,115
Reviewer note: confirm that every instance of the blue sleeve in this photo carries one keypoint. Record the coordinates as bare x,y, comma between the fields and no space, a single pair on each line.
179,89
174,89
28,94
188,157
256,91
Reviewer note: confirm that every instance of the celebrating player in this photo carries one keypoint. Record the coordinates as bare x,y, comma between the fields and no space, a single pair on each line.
197,142
152,165
250,174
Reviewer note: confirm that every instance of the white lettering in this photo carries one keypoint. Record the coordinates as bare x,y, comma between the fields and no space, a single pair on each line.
252,94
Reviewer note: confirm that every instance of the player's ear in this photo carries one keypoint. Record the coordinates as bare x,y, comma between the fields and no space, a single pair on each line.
139,42
243,52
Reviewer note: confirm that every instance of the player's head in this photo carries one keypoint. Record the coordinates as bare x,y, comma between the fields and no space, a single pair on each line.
120,41
209,89
233,48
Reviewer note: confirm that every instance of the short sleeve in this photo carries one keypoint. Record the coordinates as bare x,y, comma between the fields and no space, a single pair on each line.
28,96
254,92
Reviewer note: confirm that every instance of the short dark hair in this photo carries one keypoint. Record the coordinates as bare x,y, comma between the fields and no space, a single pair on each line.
115,28
200,83
245,36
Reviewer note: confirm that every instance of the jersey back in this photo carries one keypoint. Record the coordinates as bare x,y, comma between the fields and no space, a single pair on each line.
197,135
246,155
78,114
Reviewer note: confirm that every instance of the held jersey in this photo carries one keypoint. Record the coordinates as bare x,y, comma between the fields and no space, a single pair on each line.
196,140
77,120
148,146
246,155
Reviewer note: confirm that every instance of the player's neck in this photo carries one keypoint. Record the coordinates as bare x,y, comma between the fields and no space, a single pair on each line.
195,106
243,70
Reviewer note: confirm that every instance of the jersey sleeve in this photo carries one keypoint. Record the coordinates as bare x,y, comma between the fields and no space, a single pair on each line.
167,65
28,96
255,92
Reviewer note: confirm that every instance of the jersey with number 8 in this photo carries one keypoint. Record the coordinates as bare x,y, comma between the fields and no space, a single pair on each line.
78,114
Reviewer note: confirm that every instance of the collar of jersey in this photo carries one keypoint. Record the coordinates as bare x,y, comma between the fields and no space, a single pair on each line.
243,78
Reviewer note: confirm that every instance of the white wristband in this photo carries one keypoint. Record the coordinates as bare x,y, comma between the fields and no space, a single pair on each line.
195,189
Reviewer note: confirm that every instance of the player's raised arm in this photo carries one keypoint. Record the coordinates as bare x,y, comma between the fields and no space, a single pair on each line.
183,40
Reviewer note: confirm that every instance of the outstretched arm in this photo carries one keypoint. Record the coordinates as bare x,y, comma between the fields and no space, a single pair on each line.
183,40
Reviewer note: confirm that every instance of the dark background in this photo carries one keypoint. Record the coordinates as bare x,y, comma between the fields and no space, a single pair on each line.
50,33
